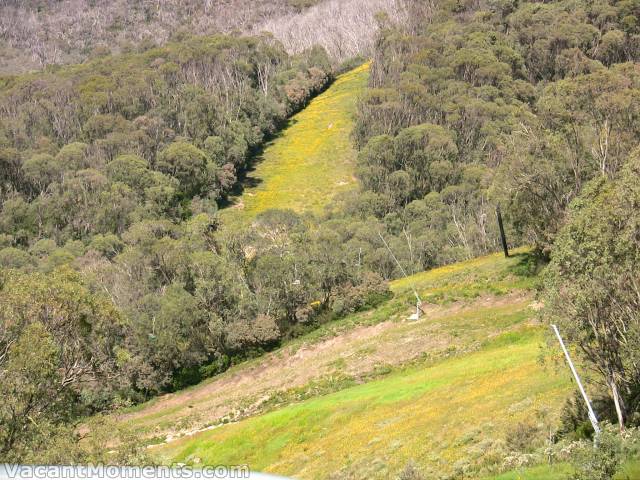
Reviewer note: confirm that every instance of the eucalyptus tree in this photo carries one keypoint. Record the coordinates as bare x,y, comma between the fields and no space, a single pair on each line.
592,287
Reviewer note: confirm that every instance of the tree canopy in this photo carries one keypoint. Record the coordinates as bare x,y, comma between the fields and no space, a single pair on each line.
592,288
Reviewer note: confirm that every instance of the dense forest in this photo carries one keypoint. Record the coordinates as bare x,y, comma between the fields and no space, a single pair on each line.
119,281
519,106
112,172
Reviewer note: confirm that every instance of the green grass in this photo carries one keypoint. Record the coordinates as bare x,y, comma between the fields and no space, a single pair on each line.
447,413
540,472
489,274
436,415
311,160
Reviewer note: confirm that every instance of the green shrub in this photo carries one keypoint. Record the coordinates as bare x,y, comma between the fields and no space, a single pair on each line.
600,460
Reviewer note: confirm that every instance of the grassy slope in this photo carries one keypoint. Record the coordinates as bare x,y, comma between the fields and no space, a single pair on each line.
436,415
630,471
311,160
468,302
437,411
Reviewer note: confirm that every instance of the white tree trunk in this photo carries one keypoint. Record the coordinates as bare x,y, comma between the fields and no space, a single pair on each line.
619,403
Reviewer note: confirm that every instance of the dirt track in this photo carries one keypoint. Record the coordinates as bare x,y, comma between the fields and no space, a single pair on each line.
357,353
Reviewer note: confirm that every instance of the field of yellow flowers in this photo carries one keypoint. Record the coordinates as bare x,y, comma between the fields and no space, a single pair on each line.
311,160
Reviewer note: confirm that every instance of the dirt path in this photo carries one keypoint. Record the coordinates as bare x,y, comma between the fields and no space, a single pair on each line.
358,353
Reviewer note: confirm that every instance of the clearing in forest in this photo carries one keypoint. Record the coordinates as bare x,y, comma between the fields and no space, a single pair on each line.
309,161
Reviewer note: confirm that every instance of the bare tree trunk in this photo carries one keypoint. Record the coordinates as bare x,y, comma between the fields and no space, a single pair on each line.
618,402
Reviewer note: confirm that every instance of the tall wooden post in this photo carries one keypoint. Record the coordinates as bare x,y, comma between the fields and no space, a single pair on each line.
502,235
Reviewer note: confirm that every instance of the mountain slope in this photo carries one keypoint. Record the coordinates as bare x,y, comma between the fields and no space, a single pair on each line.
437,416
311,160
70,31
364,395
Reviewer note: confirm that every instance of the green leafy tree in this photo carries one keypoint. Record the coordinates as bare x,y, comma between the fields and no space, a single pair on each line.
82,329
42,169
592,283
31,390
187,164
72,157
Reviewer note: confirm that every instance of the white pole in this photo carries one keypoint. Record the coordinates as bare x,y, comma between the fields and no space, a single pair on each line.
592,415
415,292
392,255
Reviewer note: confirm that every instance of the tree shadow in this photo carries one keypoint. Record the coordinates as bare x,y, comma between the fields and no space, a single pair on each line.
529,264
245,179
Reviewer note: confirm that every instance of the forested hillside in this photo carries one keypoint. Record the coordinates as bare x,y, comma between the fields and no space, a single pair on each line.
478,104
38,33
126,126
112,262
191,114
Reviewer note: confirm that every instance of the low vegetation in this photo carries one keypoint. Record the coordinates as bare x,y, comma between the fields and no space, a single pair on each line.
442,417
310,161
